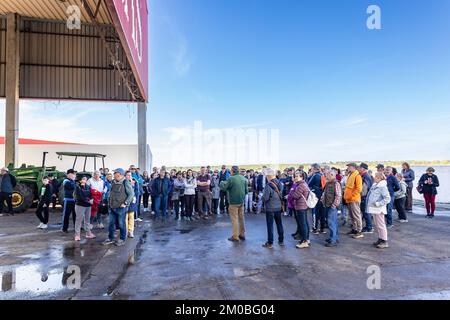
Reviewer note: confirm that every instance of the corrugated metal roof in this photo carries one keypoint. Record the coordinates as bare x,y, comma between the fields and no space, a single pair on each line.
52,9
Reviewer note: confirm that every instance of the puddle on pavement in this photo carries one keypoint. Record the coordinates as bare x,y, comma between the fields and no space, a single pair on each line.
33,279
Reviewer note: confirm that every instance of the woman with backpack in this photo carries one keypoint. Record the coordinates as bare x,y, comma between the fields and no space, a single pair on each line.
428,185
297,196
331,200
273,202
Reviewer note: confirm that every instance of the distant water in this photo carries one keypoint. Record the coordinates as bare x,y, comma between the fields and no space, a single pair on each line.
443,173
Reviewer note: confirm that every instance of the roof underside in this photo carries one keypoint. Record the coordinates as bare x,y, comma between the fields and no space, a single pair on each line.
53,9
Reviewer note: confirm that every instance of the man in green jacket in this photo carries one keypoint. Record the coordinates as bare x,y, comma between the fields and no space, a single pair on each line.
236,189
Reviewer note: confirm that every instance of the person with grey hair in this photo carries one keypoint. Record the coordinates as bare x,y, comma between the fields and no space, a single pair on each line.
273,202
97,186
236,189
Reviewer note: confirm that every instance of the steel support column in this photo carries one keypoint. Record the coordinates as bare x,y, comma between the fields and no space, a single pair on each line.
142,136
12,89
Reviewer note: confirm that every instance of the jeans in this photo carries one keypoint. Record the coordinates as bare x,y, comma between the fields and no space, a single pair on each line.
270,217
430,203
400,207
69,208
42,218
301,216
117,216
203,197
189,200
390,207
319,216
366,216
223,201
332,214
161,206
145,198
215,206
248,202
6,196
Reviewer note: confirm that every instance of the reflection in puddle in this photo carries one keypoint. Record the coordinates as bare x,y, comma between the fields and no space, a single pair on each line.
33,278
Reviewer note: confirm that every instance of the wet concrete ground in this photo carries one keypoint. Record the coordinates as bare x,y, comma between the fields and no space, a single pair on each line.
193,260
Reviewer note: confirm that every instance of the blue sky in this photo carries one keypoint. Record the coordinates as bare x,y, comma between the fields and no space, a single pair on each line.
334,89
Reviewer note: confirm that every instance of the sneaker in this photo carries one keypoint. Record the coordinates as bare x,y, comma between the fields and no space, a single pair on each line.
242,238
377,242
44,226
100,226
358,235
233,239
302,245
330,244
267,245
281,244
131,234
366,230
403,221
77,238
297,237
119,243
107,242
90,235
139,220
315,231
323,231
286,214
383,245
39,226
390,226
352,232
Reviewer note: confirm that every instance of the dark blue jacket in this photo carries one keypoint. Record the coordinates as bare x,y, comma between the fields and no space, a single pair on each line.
134,206
393,185
315,184
69,189
224,176
160,187
47,196
259,182
83,195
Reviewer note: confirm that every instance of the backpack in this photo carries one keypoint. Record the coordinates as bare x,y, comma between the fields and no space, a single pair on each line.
312,200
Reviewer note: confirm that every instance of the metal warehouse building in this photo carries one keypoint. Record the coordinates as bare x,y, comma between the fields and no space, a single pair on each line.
86,50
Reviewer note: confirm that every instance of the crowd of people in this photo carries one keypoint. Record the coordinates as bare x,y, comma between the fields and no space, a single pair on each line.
363,199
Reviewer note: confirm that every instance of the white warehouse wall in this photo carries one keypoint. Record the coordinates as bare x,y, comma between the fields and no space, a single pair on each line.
116,155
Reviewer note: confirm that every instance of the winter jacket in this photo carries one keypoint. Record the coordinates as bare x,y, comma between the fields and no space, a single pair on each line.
8,183
271,198
378,198
367,182
337,198
315,184
46,194
190,185
83,195
178,189
69,189
353,188
236,188
215,187
299,193
392,184
224,176
429,188
133,207
261,181
161,187
409,177
402,192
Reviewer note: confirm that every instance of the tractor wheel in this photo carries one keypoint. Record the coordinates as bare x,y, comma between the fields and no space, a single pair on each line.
22,198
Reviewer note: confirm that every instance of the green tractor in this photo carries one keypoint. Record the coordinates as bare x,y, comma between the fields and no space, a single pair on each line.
29,178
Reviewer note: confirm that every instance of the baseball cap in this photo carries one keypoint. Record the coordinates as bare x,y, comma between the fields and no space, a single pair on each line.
352,164
364,166
71,171
380,166
120,170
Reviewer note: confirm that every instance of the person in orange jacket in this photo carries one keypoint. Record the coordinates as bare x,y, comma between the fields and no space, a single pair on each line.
352,196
